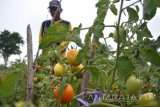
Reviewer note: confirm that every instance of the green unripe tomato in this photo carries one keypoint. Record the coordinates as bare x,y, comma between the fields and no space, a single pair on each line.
115,35
133,85
148,100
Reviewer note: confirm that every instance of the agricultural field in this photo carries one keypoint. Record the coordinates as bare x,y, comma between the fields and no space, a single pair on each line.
92,74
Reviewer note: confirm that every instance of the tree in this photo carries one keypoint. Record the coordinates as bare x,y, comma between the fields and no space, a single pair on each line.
10,44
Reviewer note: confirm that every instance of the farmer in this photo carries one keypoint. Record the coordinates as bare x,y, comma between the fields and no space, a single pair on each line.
55,11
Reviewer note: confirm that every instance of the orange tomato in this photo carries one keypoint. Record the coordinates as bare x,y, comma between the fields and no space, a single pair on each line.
67,94
72,56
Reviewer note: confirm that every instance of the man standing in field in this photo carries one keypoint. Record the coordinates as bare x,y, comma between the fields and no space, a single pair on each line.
55,11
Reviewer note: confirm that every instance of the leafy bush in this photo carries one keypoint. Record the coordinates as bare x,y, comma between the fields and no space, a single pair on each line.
13,83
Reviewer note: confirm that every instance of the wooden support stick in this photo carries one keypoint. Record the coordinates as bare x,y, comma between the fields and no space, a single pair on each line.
29,91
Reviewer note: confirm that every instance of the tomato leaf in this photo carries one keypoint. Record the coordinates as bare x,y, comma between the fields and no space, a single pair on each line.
125,66
158,41
62,87
76,39
8,84
123,35
102,3
76,30
55,33
77,91
97,76
116,1
98,30
149,8
94,71
151,55
102,76
133,14
40,75
82,54
143,31
114,9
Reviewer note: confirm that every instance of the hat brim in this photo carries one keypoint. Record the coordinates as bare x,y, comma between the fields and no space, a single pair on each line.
54,6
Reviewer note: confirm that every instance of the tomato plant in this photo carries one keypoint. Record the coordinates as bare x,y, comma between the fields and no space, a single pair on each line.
107,74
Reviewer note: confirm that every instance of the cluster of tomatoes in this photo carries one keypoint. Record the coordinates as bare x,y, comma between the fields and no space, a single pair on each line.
71,56
59,69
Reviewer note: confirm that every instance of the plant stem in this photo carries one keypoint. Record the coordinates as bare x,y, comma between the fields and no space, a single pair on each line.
118,47
102,25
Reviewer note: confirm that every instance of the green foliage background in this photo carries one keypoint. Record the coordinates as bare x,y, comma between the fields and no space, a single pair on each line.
13,83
